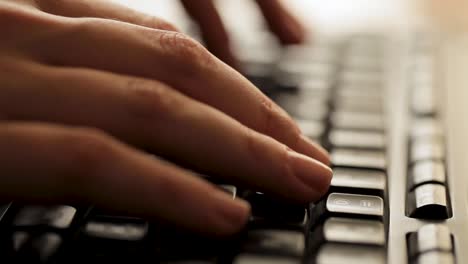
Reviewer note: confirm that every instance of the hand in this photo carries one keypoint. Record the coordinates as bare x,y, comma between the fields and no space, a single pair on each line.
80,98
281,22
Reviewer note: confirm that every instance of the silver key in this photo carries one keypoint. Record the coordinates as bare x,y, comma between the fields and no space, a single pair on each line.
116,231
350,254
356,180
356,231
356,120
60,216
435,257
426,127
430,237
427,171
355,204
281,242
427,149
357,139
428,201
366,159
262,259
311,129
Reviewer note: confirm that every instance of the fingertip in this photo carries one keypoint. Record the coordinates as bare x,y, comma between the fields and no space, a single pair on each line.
311,172
234,214
313,150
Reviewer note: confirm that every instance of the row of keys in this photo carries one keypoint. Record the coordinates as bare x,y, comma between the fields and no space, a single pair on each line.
348,224
428,196
427,175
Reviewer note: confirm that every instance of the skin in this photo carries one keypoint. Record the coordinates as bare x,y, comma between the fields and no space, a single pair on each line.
82,96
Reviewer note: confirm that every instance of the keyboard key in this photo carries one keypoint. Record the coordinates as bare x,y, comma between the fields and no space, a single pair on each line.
348,205
267,212
262,259
358,181
344,104
230,189
36,248
347,230
356,139
365,159
59,217
311,129
332,253
126,231
275,242
363,92
435,257
426,172
424,101
428,201
427,149
357,121
431,237
426,127
3,210
354,77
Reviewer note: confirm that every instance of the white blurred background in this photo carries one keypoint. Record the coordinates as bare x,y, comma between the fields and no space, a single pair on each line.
321,15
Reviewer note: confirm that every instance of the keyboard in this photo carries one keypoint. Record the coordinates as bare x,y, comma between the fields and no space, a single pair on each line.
392,199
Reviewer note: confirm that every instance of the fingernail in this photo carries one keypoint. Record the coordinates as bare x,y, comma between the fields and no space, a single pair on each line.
314,150
311,172
235,212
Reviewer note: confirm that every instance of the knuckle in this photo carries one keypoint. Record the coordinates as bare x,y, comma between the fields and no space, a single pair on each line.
151,100
265,150
185,50
278,124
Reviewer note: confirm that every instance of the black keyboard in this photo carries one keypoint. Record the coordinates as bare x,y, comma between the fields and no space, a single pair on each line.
338,93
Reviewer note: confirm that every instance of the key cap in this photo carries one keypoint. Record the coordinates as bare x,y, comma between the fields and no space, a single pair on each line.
360,77
292,73
332,253
428,201
261,259
347,230
357,121
275,242
430,237
59,217
356,139
424,101
344,104
426,127
230,189
311,129
131,231
36,248
358,181
435,257
3,210
363,92
427,148
348,205
364,159
426,172
267,212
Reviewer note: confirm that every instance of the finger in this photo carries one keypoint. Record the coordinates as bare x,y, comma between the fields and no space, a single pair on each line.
102,9
86,166
212,29
155,117
281,22
180,62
